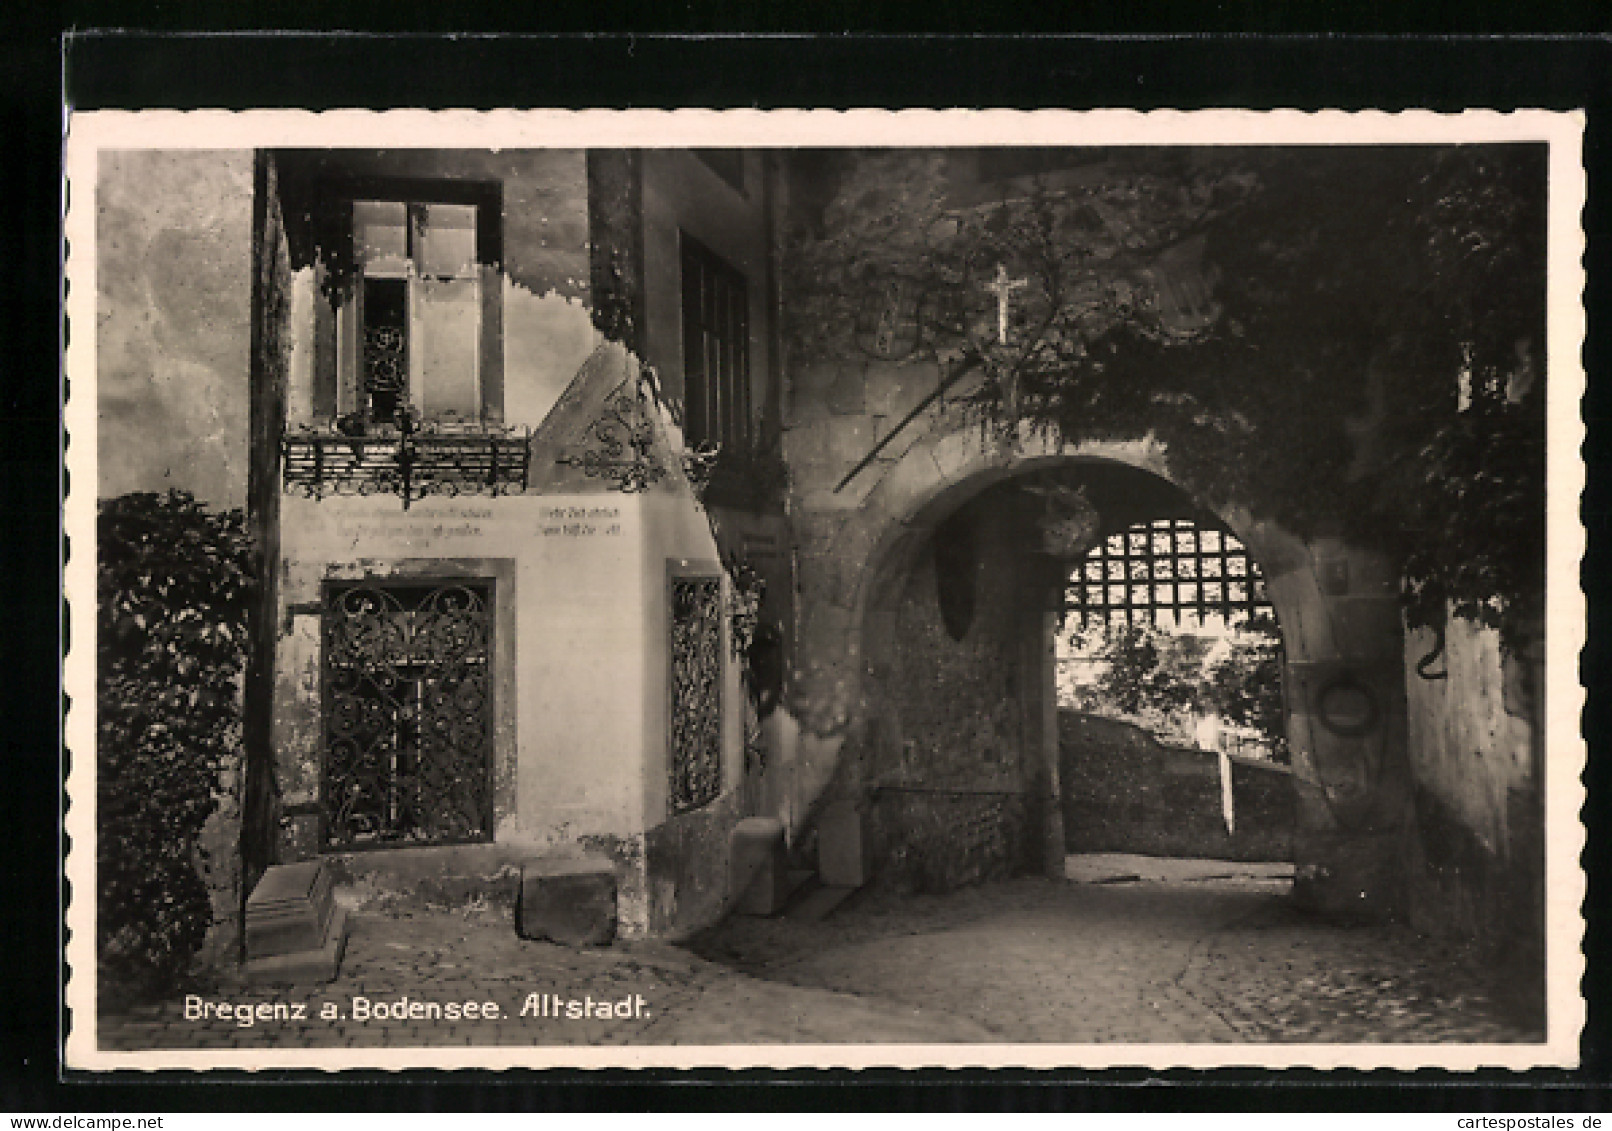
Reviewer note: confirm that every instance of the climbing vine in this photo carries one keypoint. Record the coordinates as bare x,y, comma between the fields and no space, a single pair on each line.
1332,336
175,583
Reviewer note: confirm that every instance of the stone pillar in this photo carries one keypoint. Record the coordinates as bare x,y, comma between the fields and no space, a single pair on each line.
758,869
1344,684
842,858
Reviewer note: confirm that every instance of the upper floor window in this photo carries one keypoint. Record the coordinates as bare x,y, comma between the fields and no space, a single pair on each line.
413,332
716,351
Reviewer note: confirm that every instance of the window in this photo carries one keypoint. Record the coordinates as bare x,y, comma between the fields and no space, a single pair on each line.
695,763
407,713
716,351
413,332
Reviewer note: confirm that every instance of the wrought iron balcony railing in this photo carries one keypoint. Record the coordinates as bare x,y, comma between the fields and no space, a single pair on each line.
412,461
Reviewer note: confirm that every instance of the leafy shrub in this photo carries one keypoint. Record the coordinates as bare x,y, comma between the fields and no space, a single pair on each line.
175,582
1156,678
1140,677
1245,685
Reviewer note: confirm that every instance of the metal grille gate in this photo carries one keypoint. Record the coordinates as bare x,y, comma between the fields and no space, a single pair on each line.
407,714
1171,569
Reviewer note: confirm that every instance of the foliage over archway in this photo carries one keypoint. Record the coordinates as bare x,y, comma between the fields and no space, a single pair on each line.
1345,339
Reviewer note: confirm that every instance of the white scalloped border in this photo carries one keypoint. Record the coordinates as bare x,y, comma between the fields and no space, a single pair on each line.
1566,608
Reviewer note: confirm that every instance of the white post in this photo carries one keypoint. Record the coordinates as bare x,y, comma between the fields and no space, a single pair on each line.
1228,810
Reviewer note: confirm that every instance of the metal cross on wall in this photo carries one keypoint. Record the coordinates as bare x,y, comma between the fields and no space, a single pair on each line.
1003,287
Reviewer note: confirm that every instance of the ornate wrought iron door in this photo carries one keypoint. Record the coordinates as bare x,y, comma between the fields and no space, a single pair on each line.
407,715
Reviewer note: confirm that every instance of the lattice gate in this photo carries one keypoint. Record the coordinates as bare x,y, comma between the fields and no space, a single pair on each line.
407,714
1172,570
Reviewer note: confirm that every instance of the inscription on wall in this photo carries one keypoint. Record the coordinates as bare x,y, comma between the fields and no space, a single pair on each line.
446,522
579,522
449,523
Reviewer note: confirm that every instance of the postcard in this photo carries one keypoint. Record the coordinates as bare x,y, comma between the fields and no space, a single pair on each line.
807,589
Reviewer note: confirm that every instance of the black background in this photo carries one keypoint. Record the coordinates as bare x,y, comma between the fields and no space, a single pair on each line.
850,55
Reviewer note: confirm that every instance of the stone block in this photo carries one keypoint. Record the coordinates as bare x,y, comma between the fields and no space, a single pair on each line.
289,909
758,869
812,382
894,390
808,442
907,485
570,901
294,930
842,859
320,964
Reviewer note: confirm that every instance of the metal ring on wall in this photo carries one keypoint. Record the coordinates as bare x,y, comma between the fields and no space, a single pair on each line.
1346,707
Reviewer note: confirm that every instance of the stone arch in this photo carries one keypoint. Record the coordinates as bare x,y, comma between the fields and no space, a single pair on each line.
1337,605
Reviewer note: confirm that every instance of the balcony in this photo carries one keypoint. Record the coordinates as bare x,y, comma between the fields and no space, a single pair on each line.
412,461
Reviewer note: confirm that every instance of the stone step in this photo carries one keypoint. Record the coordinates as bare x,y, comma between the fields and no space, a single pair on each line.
289,910
758,867
295,932
301,967
820,903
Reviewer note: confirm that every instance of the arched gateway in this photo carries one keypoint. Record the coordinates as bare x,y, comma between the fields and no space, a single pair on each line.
924,677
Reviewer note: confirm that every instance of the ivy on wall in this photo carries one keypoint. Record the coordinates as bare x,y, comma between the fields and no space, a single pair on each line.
1347,340
175,583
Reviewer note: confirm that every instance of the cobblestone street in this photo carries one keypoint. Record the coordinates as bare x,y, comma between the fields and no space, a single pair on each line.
1030,960
1188,961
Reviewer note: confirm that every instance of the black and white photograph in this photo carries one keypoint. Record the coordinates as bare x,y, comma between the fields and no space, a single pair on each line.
804,589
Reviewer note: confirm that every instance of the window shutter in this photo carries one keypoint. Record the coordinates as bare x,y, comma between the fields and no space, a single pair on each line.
445,244
381,238
446,344
446,312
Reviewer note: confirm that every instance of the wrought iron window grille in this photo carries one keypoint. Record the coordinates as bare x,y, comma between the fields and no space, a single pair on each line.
407,714
620,443
413,460
695,767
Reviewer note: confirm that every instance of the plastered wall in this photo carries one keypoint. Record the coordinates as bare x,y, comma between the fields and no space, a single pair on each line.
173,327
1468,749
568,594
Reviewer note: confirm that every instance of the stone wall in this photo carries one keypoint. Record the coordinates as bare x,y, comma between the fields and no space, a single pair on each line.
934,841
948,754
1125,792
1337,604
